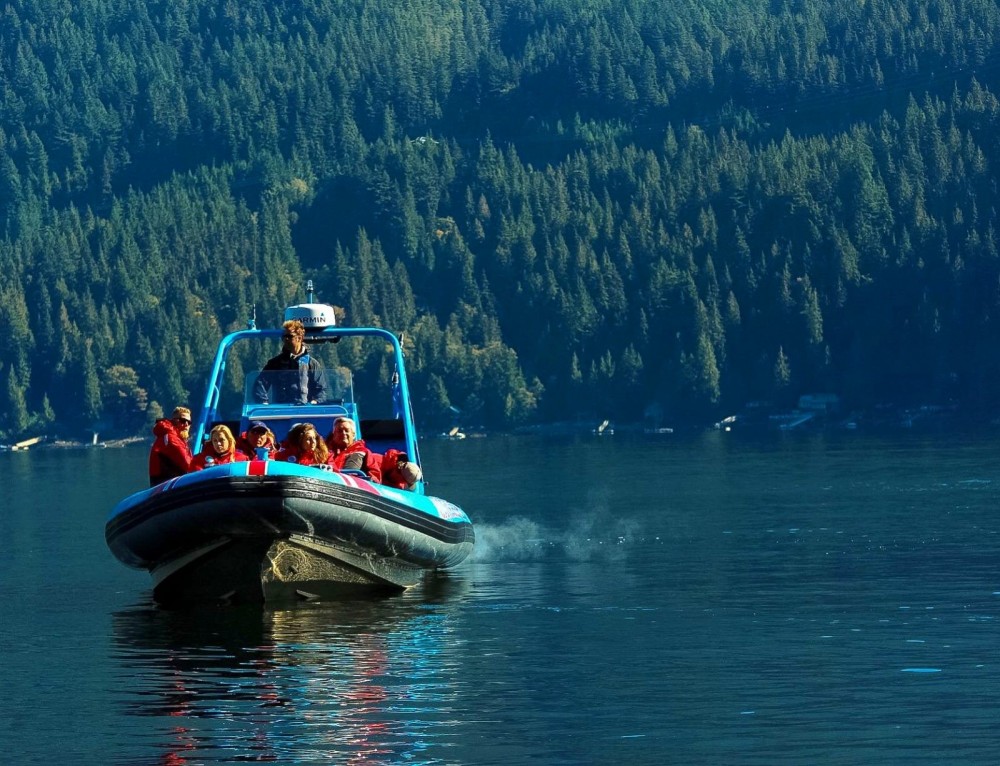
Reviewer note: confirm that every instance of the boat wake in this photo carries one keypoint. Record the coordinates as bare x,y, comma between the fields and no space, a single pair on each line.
596,536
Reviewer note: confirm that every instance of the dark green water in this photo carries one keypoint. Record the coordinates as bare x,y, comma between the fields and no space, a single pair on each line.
699,599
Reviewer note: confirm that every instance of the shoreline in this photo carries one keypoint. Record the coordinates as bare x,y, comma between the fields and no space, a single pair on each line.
762,421
127,441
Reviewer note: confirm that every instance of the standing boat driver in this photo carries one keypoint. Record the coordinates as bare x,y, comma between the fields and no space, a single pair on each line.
293,376
170,455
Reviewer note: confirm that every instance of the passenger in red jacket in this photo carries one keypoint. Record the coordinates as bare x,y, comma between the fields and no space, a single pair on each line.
349,452
305,446
170,455
399,471
221,449
257,437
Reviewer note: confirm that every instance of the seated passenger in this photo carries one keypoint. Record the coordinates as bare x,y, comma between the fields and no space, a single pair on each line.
305,447
349,452
170,456
399,471
257,437
293,376
219,450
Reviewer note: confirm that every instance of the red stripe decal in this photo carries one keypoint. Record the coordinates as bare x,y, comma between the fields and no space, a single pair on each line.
354,481
257,468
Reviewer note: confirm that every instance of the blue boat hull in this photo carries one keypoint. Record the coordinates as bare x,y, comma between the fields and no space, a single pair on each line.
267,531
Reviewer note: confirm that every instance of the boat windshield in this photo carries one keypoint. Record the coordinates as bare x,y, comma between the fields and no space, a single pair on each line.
306,385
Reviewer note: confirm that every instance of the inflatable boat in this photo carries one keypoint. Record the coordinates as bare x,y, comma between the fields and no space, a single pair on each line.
268,530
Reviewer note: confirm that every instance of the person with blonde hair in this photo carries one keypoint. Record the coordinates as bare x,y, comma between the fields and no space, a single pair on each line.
305,446
218,450
170,455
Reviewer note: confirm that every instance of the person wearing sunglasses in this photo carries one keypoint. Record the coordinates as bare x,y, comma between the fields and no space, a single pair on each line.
294,376
170,455
257,442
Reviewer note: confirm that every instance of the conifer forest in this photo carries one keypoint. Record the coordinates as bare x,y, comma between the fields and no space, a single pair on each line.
570,209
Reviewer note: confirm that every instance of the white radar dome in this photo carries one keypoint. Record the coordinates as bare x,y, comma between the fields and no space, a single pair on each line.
314,316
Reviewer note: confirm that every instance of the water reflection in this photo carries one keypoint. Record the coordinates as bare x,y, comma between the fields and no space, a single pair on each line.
363,682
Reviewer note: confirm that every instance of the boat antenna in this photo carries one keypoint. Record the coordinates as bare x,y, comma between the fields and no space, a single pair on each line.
252,322
310,297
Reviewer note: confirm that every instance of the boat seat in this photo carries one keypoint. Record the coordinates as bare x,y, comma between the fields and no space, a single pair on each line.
383,434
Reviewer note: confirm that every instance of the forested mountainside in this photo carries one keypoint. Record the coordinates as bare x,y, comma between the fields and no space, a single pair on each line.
570,207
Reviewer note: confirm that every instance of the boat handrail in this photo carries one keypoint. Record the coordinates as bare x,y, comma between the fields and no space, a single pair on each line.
281,417
328,334
268,412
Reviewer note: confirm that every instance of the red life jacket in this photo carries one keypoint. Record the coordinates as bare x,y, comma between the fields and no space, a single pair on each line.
371,463
200,460
243,445
391,475
170,455
294,455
